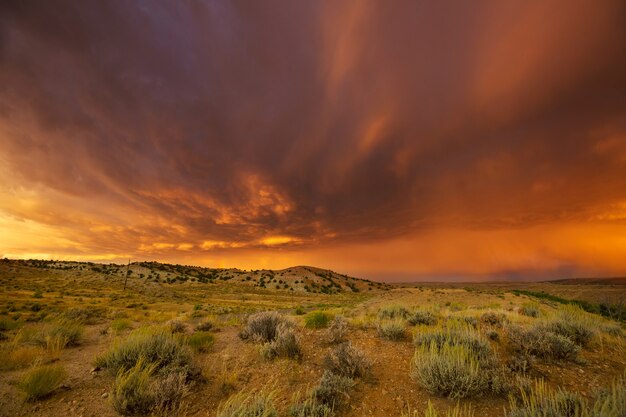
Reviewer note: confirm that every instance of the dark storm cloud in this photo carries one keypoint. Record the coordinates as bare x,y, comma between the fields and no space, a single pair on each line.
315,120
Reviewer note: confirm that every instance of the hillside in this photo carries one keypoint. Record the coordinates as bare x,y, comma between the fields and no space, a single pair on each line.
302,279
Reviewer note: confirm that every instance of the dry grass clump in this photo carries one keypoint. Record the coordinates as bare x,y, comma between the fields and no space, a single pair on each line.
259,404
67,331
493,319
431,411
205,326
138,391
119,325
422,317
575,324
13,356
455,333
541,342
263,327
152,345
530,310
310,407
393,312
285,344
391,329
317,319
541,401
41,381
451,370
177,326
611,402
201,341
348,361
131,390
337,330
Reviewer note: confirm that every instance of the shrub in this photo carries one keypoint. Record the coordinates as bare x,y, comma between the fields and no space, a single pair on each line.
131,392
154,345
431,411
492,335
263,327
332,389
347,360
530,310
541,342
285,344
119,325
299,311
169,391
421,317
259,404
541,401
317,319
205,326
337,330
493,319
201,341
177,326
392,312
41,381
451,370
391,329
573,322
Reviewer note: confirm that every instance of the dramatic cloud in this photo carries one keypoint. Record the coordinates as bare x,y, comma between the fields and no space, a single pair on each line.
394,139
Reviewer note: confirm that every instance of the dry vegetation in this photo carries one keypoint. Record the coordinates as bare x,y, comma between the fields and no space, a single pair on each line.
302,342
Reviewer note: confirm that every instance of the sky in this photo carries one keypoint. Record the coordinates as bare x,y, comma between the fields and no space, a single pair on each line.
394,140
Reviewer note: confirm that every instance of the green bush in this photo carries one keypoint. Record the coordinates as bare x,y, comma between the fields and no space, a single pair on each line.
451,370
155,345
67,330
201,341
41,381
317,319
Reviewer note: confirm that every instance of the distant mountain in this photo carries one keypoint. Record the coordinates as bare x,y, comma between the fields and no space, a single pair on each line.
590,281
298,278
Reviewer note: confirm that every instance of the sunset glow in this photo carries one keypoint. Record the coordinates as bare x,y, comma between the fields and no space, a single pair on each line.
393,140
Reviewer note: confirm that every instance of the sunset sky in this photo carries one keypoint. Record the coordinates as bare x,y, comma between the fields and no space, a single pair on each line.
397,140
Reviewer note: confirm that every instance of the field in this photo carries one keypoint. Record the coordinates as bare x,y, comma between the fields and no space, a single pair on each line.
80,339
